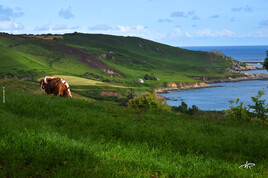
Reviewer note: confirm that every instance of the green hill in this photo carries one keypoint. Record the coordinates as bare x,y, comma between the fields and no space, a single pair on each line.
105,57
47,136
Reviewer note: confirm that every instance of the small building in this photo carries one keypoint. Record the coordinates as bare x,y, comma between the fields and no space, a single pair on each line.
141,80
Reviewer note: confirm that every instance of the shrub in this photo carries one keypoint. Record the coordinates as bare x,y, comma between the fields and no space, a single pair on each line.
148,101
130,96
193,110
183,107
150,77
260,109
239,111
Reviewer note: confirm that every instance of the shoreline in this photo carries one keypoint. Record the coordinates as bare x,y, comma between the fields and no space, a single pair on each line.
200,85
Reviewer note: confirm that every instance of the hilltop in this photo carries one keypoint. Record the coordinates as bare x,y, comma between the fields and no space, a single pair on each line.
106,57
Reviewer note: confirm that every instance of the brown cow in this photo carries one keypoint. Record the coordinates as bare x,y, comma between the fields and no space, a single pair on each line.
55,86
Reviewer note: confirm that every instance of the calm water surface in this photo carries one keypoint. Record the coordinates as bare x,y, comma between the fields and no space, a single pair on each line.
240,53
217,98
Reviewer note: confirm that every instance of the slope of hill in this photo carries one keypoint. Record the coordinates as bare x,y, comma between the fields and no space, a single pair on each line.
105,57
46,136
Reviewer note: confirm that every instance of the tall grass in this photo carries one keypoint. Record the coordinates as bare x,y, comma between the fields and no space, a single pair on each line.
53,136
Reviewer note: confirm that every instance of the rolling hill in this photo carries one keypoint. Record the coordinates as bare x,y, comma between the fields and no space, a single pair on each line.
105,57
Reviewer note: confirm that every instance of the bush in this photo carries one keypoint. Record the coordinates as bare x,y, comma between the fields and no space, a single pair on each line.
241,112
130,96
238,112
193,110
148,101
260,109
150,77
183,108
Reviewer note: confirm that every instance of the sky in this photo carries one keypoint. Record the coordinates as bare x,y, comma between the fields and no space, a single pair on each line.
173,22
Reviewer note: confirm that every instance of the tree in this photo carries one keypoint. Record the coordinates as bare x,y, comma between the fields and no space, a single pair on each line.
265,64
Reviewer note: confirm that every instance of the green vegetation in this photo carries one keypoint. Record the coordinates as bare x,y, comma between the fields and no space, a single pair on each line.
94,134
257,111
46,136
148,101
183,108
106,58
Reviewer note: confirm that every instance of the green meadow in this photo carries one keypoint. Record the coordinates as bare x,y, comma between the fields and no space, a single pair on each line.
48,136
94,134
129,57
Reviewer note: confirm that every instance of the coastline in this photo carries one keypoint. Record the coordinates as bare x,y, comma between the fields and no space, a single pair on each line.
198,85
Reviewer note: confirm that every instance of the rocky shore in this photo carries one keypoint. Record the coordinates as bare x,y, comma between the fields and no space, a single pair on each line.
184,86
196,85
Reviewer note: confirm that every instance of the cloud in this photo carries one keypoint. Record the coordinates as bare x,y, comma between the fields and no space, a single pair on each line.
10,25
192,12
42,28
7,13
7,17
263,23
140,27
185,14
177,14
195,18
246,8
64,27
122,28
164,20
214,16
232,19
204,32
208,33
187,34
67,14
100,27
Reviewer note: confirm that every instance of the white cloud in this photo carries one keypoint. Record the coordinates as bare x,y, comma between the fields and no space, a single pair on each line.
100,27
187,34
204,32
178,30
208,33
10,25
124,28
140,27
225,32
64,27
42,28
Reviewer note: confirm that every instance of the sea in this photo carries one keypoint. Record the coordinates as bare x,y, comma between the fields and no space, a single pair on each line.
219,98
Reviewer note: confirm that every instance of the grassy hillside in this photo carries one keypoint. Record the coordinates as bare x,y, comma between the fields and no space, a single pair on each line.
106,58
46,136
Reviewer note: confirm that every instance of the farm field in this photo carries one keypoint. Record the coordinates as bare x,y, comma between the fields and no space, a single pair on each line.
59,137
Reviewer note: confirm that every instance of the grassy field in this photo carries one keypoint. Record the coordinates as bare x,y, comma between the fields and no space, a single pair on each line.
126,58
59,137
72,80
94,134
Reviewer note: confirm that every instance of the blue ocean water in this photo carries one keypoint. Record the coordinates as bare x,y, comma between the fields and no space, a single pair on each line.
218,98
240,53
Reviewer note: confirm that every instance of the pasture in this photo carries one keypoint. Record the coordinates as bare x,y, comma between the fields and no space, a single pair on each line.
48,136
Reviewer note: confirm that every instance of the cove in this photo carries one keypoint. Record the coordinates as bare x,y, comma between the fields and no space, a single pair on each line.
218,98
